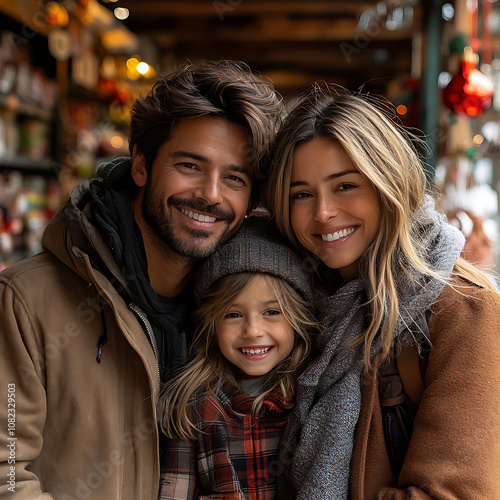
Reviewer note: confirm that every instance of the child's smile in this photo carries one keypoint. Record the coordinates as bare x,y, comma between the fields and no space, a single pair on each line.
254,334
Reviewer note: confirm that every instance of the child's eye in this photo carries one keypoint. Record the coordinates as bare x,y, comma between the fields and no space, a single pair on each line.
232,315
272,312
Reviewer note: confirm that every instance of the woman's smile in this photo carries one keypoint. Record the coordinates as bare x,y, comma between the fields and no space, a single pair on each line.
334,210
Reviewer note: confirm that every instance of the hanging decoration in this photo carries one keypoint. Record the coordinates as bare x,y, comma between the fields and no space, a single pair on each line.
57,14
469,91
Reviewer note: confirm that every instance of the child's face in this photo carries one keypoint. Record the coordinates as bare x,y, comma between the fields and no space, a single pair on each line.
254,334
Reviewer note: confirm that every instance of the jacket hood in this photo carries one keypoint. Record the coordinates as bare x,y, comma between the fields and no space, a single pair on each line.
71,231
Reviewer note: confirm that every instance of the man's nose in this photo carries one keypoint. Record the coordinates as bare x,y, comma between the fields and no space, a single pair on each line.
209,191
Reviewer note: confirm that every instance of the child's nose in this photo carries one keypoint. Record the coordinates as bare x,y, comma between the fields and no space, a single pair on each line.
253,329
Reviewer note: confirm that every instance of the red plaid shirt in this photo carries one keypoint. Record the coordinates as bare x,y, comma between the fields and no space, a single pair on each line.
233,458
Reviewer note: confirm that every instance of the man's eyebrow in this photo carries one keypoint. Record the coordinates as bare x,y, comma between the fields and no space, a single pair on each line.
189,154
206,159
327,178
241,170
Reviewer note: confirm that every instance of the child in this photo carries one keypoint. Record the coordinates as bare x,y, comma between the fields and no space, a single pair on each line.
225,412
348,188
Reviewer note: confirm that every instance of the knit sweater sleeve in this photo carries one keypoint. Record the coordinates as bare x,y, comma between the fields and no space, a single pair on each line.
454,451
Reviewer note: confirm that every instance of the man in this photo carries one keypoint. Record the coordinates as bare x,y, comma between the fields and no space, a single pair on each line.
93,324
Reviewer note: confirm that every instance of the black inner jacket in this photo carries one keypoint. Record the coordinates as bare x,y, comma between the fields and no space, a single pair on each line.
113,216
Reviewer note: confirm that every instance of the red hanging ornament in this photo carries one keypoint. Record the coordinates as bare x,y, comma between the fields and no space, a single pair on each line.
57,14
469,91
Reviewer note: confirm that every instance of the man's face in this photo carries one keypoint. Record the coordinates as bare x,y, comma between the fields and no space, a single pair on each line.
198,190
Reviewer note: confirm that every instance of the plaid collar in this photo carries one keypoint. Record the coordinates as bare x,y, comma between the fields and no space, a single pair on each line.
232,398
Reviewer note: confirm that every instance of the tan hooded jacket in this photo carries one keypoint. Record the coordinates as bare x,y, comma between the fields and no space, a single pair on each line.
72,428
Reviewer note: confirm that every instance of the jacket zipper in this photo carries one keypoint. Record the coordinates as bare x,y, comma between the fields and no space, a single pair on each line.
150,336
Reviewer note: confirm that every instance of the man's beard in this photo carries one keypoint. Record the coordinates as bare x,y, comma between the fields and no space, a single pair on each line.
154,212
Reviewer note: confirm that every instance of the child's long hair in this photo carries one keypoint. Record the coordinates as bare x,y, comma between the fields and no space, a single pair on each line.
208,369
384,153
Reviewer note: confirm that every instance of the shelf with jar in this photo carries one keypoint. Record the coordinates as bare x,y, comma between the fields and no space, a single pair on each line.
69,73
27,103
29,187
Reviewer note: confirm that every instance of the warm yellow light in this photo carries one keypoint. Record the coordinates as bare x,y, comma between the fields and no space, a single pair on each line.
121,13
133,74
401,109
132,63
116,141
143,68
151,72
478,139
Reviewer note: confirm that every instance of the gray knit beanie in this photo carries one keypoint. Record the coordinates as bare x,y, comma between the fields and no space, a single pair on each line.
256,247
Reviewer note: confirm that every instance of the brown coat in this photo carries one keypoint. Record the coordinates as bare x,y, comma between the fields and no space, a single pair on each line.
454,451
82,429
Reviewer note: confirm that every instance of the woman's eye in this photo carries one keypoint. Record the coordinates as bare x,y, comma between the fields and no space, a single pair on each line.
346,186
300,196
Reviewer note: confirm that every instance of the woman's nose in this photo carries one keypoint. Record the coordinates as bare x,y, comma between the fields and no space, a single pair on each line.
326,208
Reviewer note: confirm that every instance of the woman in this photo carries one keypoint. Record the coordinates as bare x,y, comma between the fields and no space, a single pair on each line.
348,188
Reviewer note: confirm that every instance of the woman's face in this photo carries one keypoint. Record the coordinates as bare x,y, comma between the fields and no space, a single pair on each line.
335,211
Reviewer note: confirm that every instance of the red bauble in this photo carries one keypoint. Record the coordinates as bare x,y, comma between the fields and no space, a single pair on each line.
469,92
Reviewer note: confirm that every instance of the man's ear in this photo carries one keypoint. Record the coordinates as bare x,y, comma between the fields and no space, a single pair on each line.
138,170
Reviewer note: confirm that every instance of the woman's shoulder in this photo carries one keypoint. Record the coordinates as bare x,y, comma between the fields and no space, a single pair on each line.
462,292
465,310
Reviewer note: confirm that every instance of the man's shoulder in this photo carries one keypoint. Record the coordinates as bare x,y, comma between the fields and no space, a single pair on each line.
29,265
36,274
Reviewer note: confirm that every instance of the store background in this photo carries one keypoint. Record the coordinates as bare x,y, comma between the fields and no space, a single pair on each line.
70,71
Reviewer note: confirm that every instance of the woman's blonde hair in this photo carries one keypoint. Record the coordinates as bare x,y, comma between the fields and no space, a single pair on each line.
386,155
208,369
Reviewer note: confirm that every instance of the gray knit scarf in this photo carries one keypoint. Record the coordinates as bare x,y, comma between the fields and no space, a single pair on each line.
319,438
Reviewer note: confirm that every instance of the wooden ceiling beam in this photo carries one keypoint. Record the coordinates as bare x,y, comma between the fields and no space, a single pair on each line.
292,42
231,8
274,30
323,58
